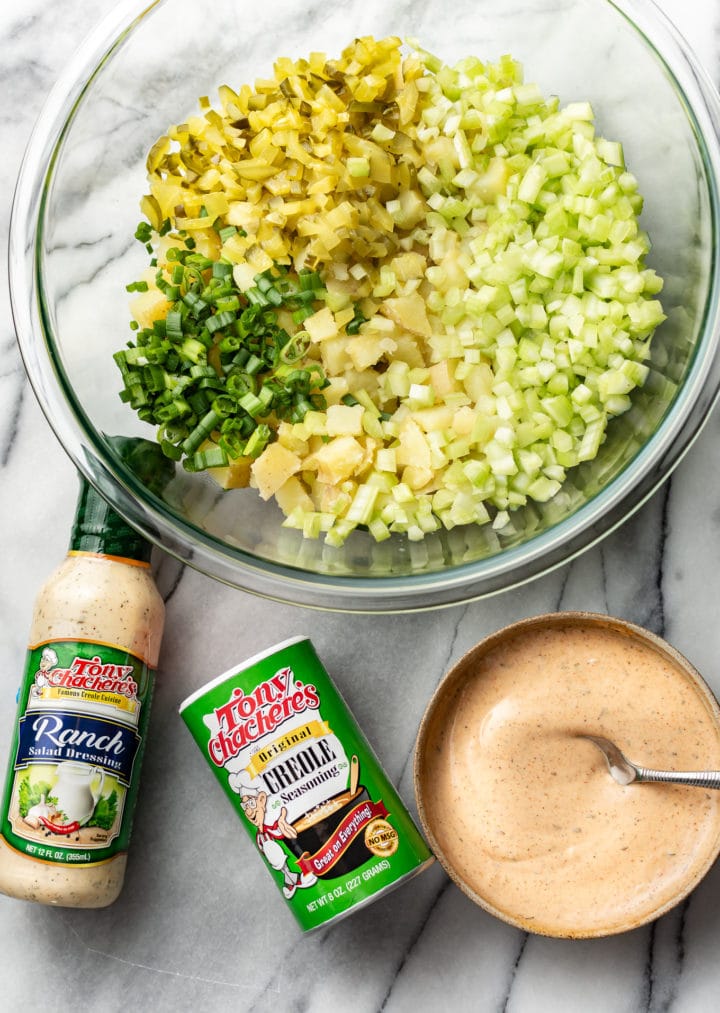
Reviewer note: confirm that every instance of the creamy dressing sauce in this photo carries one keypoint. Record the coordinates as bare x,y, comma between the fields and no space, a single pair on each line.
105,600
527,813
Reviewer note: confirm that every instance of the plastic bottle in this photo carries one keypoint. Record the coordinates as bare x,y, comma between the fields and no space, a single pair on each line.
82,718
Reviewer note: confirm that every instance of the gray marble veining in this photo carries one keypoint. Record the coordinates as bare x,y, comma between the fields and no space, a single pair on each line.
199,922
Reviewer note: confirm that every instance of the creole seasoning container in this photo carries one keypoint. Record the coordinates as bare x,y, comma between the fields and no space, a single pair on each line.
83,711
304,781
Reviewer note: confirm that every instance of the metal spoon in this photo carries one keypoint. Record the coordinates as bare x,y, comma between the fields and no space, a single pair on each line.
624,771
354,774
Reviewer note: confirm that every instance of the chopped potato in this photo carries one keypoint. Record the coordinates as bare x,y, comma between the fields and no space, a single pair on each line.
236,475
410,312
292,495
336,460
273,468
344,420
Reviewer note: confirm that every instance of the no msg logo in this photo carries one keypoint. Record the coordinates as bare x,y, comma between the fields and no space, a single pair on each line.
381,838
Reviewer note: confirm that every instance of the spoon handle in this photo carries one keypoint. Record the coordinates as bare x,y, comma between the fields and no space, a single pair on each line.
697,778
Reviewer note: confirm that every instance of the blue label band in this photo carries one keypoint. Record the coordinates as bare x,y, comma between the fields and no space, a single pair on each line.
53,736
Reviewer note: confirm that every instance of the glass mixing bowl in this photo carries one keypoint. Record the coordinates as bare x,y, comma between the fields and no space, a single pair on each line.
72,252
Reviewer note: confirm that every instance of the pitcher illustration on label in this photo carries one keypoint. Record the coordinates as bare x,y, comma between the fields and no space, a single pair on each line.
78,789
323,815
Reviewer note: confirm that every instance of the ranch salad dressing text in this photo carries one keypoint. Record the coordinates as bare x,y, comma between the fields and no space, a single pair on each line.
83,710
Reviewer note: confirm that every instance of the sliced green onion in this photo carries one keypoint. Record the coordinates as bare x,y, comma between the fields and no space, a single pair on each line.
201,432
213,457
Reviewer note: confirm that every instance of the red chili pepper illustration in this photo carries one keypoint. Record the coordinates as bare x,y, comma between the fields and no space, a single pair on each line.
56,828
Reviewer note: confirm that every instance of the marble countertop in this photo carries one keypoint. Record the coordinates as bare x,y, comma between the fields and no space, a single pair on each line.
199,923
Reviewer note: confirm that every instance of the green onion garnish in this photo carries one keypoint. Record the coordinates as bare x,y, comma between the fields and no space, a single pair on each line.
219,363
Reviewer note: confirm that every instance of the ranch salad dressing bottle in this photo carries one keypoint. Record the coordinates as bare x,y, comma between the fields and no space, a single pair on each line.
82,718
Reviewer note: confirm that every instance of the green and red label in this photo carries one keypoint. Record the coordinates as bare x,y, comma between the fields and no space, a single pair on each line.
82,716
330,827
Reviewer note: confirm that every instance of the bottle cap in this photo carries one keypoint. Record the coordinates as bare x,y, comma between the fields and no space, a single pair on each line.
100,530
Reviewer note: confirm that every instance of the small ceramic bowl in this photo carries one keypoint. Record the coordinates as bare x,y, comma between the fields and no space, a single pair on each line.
521,810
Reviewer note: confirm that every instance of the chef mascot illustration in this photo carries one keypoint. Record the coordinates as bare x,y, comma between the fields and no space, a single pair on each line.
254,803
48,661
